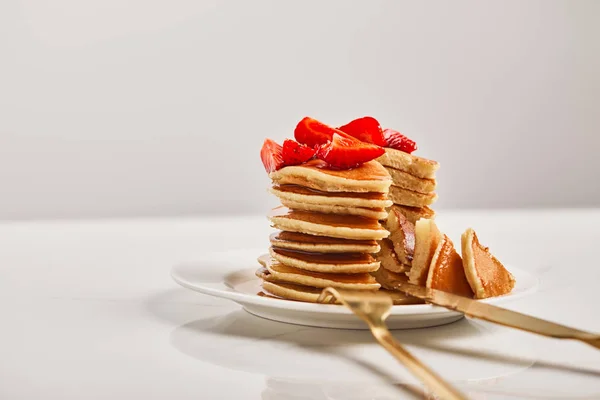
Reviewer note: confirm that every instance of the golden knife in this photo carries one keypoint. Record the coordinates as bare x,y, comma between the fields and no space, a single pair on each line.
481,310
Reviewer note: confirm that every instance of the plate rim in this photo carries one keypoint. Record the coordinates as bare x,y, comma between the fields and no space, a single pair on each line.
297,306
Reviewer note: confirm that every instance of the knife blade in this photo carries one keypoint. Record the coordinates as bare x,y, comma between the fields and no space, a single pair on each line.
491,313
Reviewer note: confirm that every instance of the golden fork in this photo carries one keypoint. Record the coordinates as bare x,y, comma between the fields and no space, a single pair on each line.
374,308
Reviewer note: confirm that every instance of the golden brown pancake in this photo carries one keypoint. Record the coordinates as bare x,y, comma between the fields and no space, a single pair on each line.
388,259
286,291
427,238
289,291
343,263
407,197
387,278
321,244
407,181
413,214
446,271
414,165
486,275
302,194
332,225
373,213
402,236
315,174
283,273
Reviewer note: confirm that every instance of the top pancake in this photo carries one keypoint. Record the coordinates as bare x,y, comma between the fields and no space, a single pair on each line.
315,174
414,165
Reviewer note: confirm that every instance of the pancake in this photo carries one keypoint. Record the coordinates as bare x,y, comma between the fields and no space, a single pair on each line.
407,181
263,273
332,225
402,236
342,263
284,273
292,292
413,214
315,174
446,271
288,291
427,238
321,244
486,275
388,278
302,194
414,165
407,197
373,213
388,258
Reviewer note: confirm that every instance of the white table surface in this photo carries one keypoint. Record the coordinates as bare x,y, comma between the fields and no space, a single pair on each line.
89,311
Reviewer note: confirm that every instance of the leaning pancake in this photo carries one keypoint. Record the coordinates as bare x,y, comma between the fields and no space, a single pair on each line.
388,278
427,238
284,273
409,198
368,177
486,275
291,291
418,166
321,244
346,263
413,214
388,259
407,181
402,235
446,271
373,213
321,224
302,194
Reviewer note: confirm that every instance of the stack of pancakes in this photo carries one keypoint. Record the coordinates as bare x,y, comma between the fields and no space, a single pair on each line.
328,229
413,187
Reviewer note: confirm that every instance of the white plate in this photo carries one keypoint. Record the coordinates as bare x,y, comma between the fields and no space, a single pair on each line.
231,276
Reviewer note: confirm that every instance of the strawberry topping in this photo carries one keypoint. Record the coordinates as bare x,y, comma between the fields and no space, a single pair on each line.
313,133
295,153
271,155
398,141
345,152
365,129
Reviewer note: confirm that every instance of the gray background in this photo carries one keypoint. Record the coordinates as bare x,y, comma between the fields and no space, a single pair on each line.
112,108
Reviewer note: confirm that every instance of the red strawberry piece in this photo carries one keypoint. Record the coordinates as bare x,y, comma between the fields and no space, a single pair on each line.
295,153
398,141
271,155
312,133
365,129
344,152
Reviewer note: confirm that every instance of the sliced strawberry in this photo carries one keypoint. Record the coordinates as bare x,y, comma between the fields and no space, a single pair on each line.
312,133
365,129
345,152
398,141
295,153
271,155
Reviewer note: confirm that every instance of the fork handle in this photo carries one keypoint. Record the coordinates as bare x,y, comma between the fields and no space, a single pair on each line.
432,380
592,342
